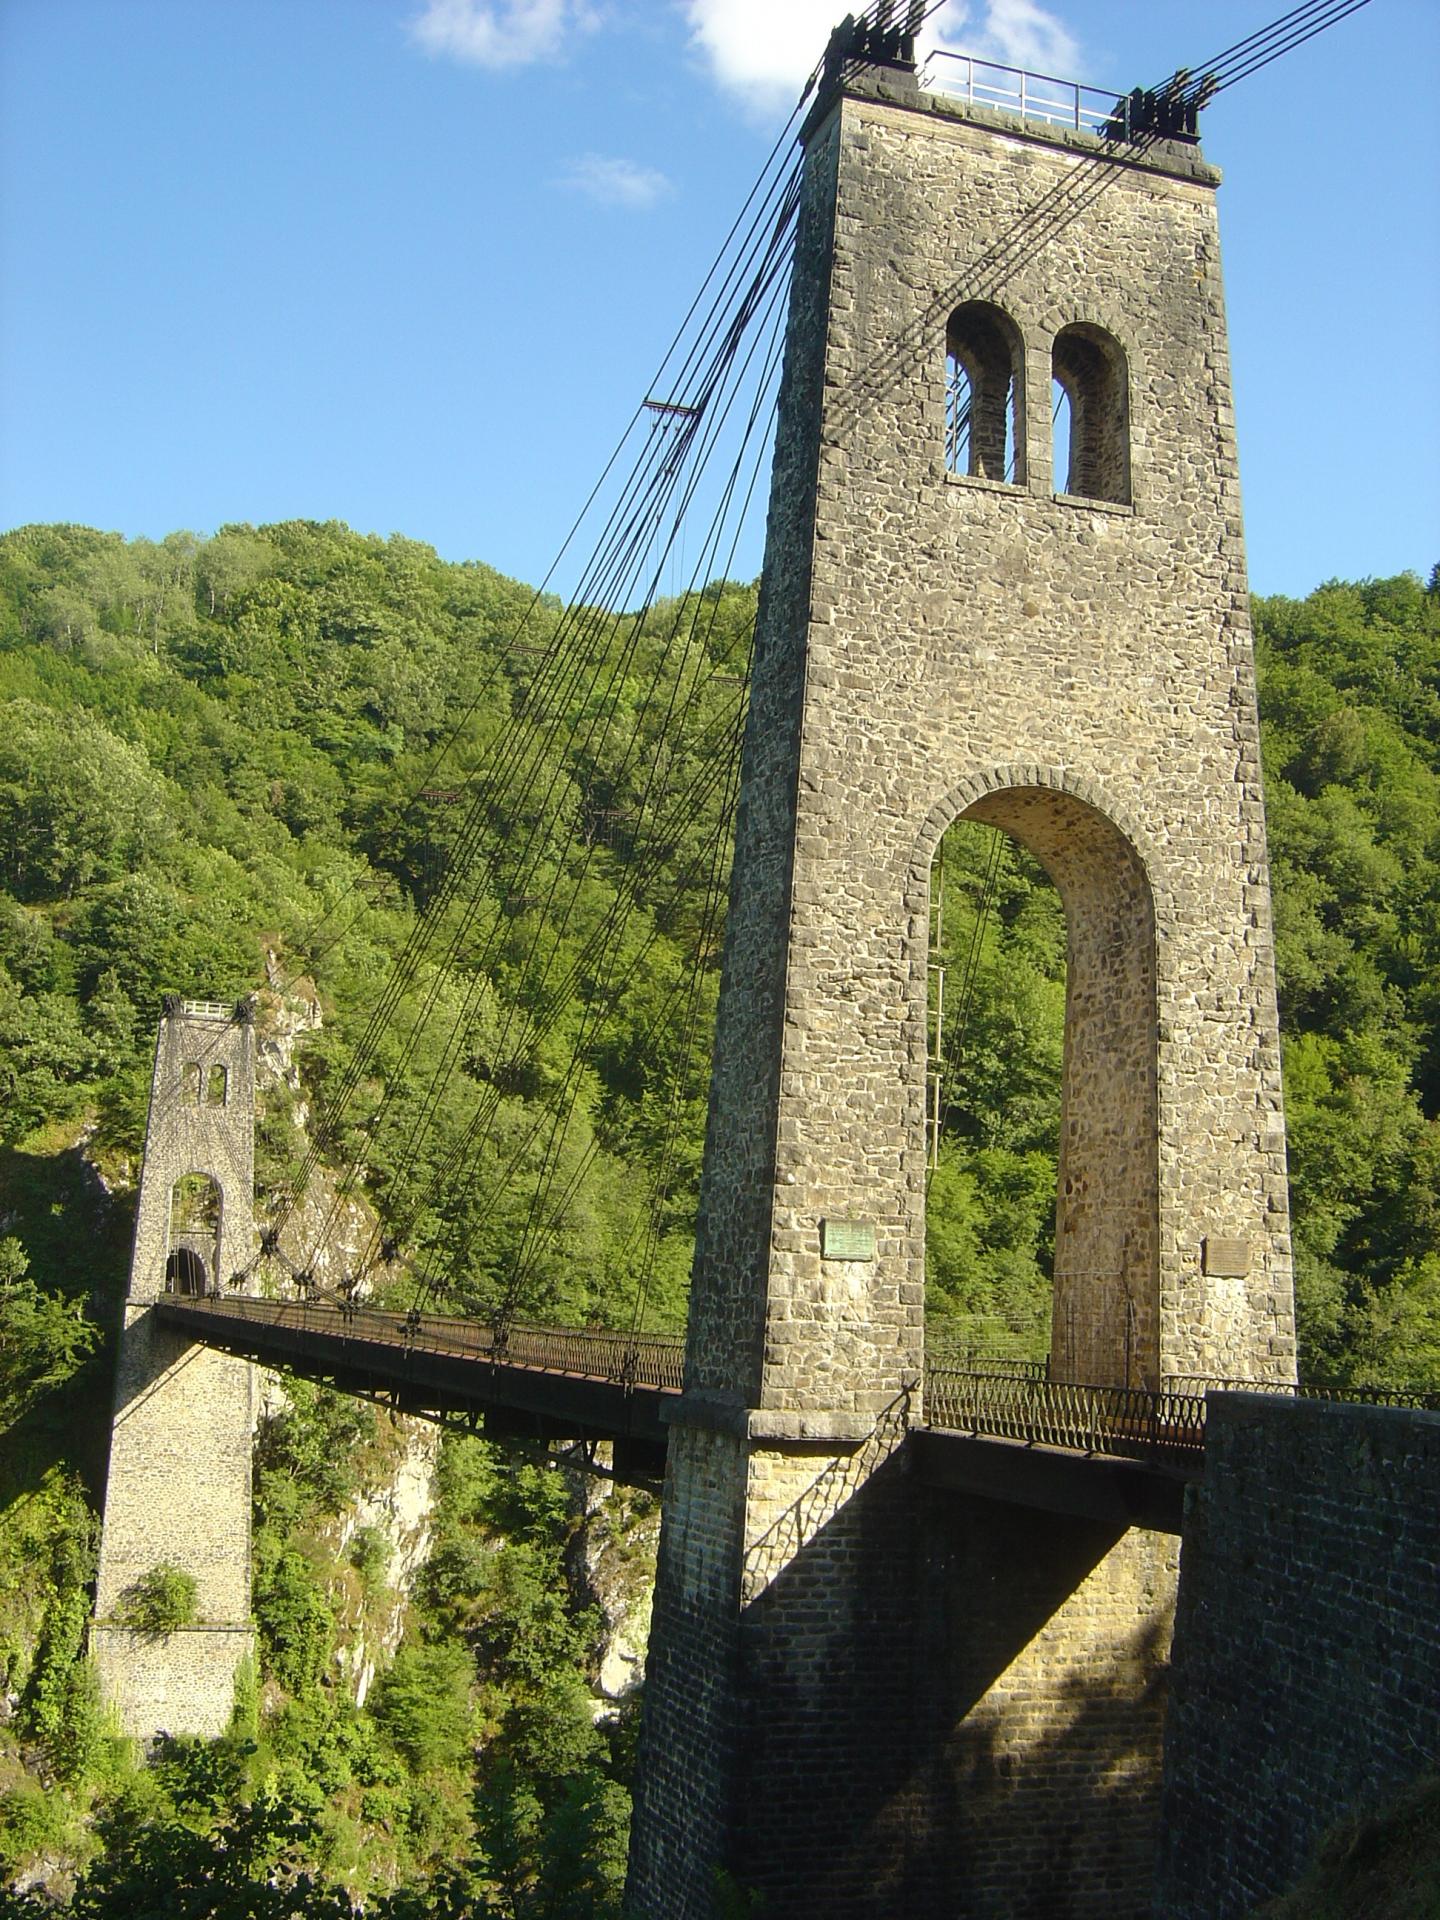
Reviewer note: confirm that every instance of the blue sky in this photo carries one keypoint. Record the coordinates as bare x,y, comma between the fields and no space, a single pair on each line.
411,263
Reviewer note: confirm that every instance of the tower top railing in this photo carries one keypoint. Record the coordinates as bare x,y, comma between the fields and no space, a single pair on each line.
1036,97
175,1005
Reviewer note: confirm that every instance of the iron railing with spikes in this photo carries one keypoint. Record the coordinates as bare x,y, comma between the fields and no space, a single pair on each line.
1124,1421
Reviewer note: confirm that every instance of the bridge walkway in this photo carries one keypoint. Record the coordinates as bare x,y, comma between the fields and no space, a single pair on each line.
1114,1453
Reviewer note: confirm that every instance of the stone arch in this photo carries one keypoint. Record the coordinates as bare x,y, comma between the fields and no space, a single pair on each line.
192,1253
1105,1325
185,1272
1091,375
984,394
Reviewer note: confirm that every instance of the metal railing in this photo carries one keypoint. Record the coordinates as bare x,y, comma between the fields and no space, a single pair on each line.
590,1353
1041,97
1422,1398
1123,1421
1014,1400
964,1393
989,1366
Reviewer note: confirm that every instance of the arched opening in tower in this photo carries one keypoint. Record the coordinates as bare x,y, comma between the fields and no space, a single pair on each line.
1041,1214
1062,420
984,420
1090,415
185,1272
192,1261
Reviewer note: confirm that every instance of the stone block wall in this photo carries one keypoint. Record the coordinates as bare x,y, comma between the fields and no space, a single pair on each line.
728,1332
1307,1642
966,645
1078,672
178,1486
688,1764
1040,1667
917,1702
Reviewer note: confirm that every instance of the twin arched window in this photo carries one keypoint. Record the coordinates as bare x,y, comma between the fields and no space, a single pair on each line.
985,404
201,1086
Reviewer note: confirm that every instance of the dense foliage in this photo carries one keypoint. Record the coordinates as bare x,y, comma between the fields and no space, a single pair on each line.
265,741
221,763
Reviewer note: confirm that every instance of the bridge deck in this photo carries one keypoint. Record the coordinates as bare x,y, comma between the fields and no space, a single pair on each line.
1112,1453
549,1382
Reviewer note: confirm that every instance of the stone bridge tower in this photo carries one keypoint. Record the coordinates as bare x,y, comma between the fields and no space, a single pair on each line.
866,1696
178,1489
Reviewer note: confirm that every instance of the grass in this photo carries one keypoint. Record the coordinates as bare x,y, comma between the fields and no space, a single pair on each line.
1383,1865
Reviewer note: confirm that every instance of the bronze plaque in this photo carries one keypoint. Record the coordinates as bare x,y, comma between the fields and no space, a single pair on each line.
847,1240
1226,1259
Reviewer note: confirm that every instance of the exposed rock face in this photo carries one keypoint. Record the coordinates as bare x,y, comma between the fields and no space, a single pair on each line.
397,1512
611,1567
324,1232
284,1015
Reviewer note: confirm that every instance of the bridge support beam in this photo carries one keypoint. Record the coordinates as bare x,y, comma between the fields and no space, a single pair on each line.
177,1493
862,1692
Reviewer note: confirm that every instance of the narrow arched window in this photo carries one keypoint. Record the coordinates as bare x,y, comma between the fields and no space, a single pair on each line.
984,412
1091,418
190,1083
1060,423
217,1086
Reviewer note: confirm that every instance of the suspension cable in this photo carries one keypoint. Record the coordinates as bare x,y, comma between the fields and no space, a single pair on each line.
539,841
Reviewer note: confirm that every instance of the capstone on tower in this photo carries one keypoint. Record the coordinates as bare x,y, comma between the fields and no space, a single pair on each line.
866,1697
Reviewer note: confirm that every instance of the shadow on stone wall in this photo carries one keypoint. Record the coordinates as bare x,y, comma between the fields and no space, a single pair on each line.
954,1706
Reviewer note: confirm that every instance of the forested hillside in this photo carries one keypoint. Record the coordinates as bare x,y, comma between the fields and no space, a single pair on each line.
221,770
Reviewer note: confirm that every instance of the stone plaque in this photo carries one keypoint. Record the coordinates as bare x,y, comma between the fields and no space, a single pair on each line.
1226,1259
847,1240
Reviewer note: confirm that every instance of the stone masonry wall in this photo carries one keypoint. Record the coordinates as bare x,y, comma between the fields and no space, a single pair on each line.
687,1772
1078,672
178,1486
726,1348
966,640
1040,1667
1307,1642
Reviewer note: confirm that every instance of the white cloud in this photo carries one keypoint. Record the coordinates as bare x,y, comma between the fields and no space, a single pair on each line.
614,182
765,50
1017,33
499,33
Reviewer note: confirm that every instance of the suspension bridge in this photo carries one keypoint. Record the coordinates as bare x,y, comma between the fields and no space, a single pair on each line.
913,1613
1004,1430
